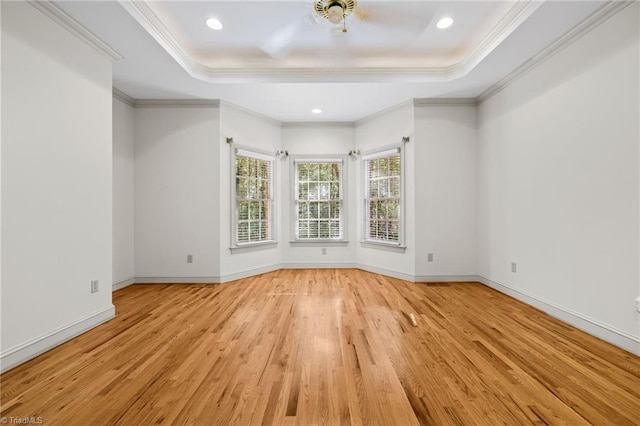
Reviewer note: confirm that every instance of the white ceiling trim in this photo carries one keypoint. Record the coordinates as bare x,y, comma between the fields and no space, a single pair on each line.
318,124
598,17
177,103
75,28
519,13
123,97
150,22
143,14
429,102
383,112
320,75
248,111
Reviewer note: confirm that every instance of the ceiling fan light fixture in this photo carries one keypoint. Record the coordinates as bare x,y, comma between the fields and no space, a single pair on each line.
214,24
444,23
335,13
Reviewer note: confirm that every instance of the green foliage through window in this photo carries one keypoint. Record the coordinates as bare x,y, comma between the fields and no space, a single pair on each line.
382,197
318,200
254,200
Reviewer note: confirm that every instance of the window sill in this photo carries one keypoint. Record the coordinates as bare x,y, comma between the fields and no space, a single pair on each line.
316,243
383,246
263,245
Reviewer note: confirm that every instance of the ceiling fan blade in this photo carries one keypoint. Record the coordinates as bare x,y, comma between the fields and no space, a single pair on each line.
280,43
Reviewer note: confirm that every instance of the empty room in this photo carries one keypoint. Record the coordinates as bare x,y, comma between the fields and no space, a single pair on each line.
308,212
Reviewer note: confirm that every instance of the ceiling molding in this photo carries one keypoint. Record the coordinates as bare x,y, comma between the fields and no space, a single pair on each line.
320,75
144,15
519,13
253,113
375,115
123,97
74,27
429,102
594,20
319,124
177,103
141,12
166,103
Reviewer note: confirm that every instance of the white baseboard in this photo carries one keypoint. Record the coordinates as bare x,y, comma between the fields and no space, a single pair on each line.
124,283
386,272
446,278
308,265
592,326
206,280
249,273
300,265
22,353
147,279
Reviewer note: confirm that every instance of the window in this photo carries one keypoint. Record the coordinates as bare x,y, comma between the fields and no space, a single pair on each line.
318,199
383,197
253,189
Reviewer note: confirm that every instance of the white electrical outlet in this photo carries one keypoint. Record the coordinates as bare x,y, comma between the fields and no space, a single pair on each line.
189,258
514,267
638,304
95,286
324,250
429,257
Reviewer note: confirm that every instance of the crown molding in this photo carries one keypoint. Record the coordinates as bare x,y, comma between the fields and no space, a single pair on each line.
74,27
594,20
425,102
165,103
519,13
253,113
385,111
141,12
318,124
145,16
123,97
322,75
177,103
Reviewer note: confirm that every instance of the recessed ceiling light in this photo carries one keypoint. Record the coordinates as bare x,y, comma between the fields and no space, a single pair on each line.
444,23
214,24
316,111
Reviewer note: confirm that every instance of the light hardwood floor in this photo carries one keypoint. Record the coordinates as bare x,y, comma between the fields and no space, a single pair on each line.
326,347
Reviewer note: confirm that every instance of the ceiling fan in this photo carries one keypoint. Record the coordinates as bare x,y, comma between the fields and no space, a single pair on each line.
335,11
331,12
335,16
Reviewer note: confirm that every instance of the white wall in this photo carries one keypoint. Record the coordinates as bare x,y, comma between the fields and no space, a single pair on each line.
56,184
1,72
177,193
558,183
330,139
380,131
250,131
445,175
123,194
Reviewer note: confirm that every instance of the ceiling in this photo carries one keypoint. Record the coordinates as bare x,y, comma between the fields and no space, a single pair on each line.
279,59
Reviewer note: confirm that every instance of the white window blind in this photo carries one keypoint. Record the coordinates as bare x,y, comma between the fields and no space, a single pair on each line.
383,196
254,213
318,199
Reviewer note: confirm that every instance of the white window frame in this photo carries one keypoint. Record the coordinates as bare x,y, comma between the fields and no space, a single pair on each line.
376,243
294,160
272,219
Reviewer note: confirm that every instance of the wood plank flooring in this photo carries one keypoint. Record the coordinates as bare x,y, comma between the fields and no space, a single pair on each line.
306,347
